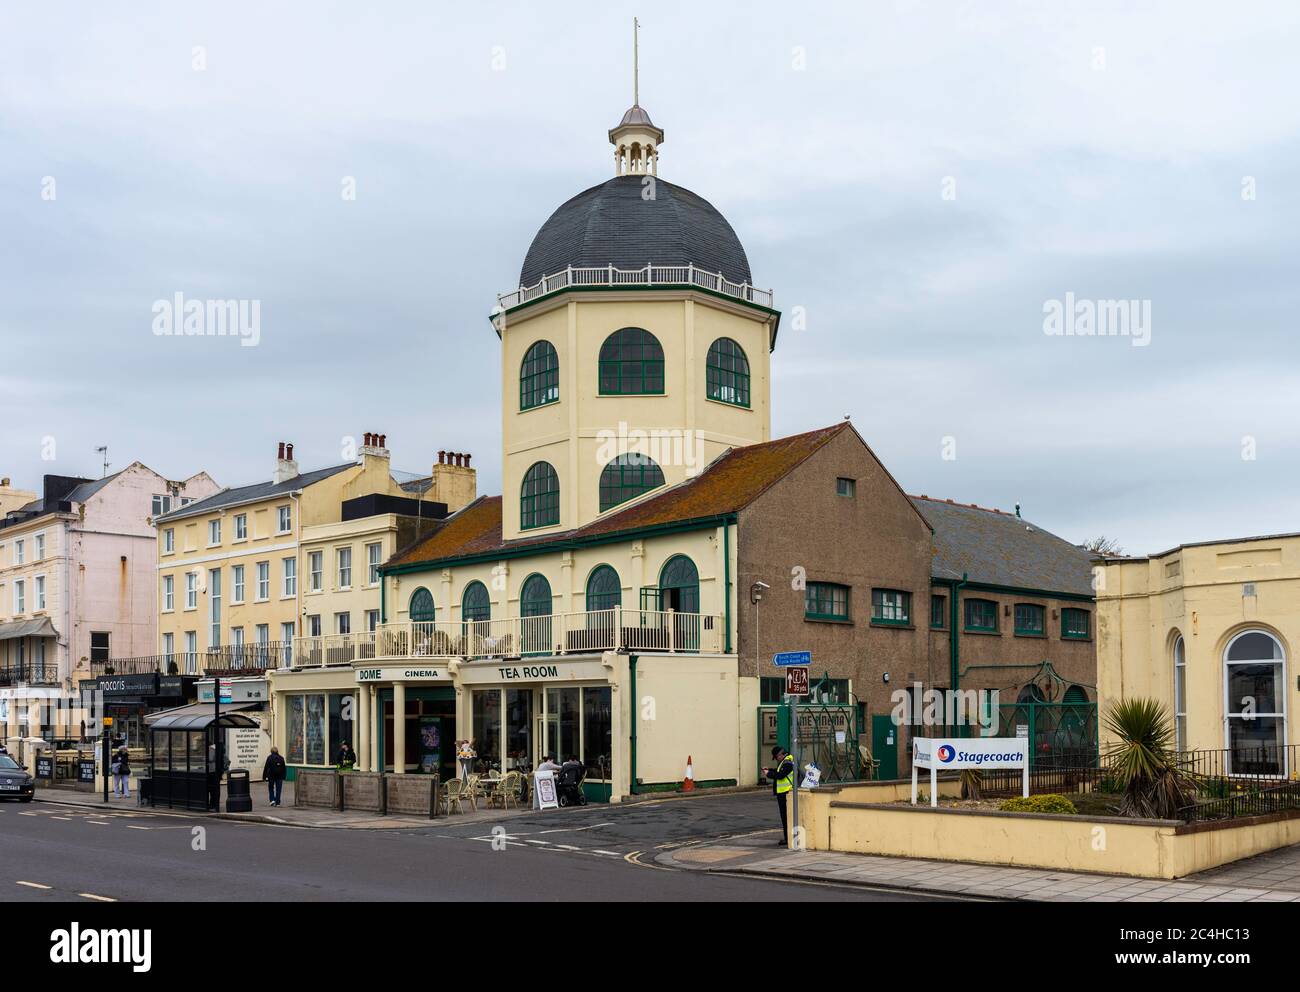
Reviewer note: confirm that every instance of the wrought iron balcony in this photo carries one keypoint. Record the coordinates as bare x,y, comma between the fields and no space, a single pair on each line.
641,631
38,673
232,659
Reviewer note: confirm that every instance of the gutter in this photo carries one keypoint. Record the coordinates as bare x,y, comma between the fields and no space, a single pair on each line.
954,651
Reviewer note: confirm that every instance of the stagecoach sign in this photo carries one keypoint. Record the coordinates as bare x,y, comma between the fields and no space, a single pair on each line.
937,753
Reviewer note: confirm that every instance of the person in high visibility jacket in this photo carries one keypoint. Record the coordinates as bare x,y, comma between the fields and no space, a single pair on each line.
782,776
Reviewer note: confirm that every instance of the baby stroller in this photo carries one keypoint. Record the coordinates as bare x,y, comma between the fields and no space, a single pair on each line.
569,784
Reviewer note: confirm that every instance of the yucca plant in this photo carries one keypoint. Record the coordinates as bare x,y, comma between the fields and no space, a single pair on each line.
1144,762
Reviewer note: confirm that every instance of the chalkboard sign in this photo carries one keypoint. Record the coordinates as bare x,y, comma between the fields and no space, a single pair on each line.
45,767
86,770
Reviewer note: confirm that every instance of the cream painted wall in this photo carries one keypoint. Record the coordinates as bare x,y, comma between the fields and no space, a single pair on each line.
1198,592
574,433
638,563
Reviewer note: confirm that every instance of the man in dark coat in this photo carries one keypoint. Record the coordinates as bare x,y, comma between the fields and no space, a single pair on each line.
274,771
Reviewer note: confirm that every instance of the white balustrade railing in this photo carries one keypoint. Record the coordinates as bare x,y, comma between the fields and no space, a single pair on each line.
650,275
659,631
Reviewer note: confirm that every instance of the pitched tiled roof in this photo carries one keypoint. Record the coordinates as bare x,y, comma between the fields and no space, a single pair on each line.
257,491
998,548
729,484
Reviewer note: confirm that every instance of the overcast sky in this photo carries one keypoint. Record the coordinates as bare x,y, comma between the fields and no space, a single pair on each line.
920,178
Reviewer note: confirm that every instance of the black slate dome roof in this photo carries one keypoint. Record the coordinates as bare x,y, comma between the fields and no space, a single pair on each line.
611,224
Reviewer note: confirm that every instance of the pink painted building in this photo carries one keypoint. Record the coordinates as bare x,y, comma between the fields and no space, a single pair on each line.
78,581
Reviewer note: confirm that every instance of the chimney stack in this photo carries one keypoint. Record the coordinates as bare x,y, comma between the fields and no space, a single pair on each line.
374,446
453,481
285,467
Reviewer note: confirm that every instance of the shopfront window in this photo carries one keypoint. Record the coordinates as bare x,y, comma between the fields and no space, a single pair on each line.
519,728
295,735
487,727
562,710
315,729
596,731
340,723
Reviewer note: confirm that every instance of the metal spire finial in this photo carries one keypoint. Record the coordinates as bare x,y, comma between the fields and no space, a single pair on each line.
636,68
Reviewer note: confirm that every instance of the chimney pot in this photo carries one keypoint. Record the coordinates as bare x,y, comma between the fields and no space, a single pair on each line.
467,461
369,439
288,452
442,457
383,440
279,453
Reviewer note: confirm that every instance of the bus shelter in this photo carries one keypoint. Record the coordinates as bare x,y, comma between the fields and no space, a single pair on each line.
183,766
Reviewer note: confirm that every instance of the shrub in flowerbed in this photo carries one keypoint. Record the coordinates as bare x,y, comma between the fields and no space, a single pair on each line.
1038,804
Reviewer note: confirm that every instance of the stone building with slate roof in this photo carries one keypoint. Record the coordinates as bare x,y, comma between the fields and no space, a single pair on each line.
655,546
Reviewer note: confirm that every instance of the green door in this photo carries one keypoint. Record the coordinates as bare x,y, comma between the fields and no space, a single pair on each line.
884,745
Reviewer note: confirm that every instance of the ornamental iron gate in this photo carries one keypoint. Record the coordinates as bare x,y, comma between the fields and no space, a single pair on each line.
828,737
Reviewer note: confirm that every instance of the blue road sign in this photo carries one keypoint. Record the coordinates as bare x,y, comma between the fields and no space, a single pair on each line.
787,658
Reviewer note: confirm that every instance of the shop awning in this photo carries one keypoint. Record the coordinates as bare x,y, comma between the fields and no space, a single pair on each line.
197,716
40,627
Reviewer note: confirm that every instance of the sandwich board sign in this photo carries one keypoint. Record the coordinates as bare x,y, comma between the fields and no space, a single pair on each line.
937,753
544,784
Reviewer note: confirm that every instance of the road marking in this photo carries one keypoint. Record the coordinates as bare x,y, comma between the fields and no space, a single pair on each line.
100,823
614,854
26,814
566,847
91,895
34,885
569,830
131,826
635,859
65,819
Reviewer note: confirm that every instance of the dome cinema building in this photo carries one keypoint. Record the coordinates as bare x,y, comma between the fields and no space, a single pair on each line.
654,546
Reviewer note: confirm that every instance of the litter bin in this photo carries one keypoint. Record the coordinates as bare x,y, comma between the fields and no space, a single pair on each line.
144,791
238,799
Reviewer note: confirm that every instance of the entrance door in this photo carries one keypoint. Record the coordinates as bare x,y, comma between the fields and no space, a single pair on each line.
884,745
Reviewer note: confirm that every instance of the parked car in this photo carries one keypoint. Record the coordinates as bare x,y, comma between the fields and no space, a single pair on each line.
15,782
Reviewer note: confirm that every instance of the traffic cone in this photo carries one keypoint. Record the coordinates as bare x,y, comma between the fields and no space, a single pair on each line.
688,783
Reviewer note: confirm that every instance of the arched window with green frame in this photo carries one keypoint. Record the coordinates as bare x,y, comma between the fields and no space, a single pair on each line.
421,609
535,605
631,364
627,477
539,497
539,376
726,373
604,591
476,604
679,585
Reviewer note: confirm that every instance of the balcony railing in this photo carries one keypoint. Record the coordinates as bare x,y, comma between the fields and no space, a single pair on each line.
232,658
31,674
647,631
650,275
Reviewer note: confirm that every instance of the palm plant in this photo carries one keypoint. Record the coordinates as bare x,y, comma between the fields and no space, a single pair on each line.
1144,762
972,784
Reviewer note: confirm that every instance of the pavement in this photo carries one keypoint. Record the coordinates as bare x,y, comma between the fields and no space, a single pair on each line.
758,856
79,851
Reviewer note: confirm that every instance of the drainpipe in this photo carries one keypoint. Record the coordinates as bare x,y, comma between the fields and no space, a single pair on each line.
726,572
631,668
954,653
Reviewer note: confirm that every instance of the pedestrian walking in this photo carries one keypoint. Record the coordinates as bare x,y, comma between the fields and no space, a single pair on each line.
273,771
121,769
782,776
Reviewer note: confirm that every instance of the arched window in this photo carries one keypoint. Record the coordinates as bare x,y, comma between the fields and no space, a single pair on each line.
1180,694
727,373
539,499
628,476
535,597
679,585
535,608
1075,730
421,608
631,363
476,604
1255,677
604,591
539,377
